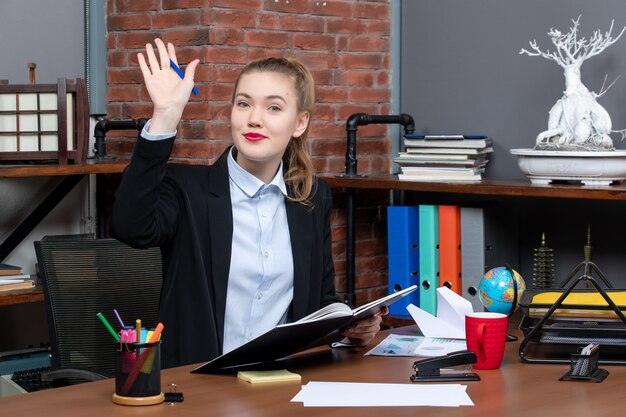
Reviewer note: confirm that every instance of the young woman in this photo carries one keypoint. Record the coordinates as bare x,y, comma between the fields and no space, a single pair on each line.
246,241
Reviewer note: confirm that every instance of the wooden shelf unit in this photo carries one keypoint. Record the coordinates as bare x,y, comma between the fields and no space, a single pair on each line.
493,187
515,188
46,170
42,170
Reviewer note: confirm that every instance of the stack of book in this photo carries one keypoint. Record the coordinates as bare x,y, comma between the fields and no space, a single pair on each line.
12,278
444,157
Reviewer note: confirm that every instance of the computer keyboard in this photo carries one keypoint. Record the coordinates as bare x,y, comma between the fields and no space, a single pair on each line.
30,379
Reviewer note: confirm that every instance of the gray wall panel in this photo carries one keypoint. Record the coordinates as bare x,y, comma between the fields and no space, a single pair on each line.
48,33
462,71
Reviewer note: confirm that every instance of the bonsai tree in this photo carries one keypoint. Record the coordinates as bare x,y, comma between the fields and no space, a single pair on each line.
576,121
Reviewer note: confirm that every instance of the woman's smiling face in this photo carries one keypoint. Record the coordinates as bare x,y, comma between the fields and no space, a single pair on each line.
264,118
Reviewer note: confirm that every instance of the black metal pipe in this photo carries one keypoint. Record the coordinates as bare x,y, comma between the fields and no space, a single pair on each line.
101,192
350,248
354,121
99,133
362,119
104,125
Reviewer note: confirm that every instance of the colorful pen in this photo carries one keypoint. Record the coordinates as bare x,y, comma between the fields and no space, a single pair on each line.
181,74
147,366
108,326
119,319
138,330
156,334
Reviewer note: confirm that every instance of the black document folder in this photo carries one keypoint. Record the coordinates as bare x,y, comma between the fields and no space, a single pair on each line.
316,329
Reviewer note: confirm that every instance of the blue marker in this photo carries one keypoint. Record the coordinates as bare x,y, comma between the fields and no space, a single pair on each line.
181,74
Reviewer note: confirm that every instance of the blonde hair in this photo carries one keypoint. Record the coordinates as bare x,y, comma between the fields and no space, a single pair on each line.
299,168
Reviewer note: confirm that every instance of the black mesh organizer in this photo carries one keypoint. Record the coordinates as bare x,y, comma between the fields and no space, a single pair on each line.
584,367
553,332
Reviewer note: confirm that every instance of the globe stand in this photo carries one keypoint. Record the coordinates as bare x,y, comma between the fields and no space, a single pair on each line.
516,289
510,337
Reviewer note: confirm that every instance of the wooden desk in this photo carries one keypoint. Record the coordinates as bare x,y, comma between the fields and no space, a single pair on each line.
514,390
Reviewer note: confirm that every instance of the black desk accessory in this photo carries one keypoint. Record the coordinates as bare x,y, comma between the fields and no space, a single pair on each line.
511,337
577,331
429,370
173,397
584,366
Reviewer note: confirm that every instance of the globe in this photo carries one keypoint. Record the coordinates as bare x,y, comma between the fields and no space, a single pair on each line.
497,292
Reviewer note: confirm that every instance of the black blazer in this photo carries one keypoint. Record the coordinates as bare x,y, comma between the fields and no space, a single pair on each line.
186,210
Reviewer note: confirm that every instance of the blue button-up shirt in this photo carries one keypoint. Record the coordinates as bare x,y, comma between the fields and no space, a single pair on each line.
260,282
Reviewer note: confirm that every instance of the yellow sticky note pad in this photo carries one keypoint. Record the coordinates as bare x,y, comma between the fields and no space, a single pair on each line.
259,377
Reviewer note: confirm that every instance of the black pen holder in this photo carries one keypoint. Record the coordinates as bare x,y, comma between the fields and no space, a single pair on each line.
138,374
585,368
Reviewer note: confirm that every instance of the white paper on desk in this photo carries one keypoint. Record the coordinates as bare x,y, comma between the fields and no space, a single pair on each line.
450,320
356,394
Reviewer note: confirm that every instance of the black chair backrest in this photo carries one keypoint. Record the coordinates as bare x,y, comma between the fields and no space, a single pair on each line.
82,277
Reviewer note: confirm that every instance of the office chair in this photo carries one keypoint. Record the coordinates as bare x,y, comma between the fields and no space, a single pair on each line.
82,277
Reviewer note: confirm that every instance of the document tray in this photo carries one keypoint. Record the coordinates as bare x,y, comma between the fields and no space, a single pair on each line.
557,322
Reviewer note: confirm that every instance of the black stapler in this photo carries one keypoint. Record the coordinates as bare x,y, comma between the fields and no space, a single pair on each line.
429,370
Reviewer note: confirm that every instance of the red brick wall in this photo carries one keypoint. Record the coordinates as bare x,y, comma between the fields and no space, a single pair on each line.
346,44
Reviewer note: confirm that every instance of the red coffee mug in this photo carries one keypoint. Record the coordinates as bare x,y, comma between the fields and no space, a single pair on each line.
485,334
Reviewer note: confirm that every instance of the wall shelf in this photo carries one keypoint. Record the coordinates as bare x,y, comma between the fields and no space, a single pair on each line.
496,187
77,171
521,188
42,170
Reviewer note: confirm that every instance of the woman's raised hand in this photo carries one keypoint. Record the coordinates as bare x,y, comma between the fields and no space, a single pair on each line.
168,92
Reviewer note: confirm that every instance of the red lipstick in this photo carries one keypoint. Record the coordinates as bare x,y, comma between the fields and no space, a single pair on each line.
254,137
